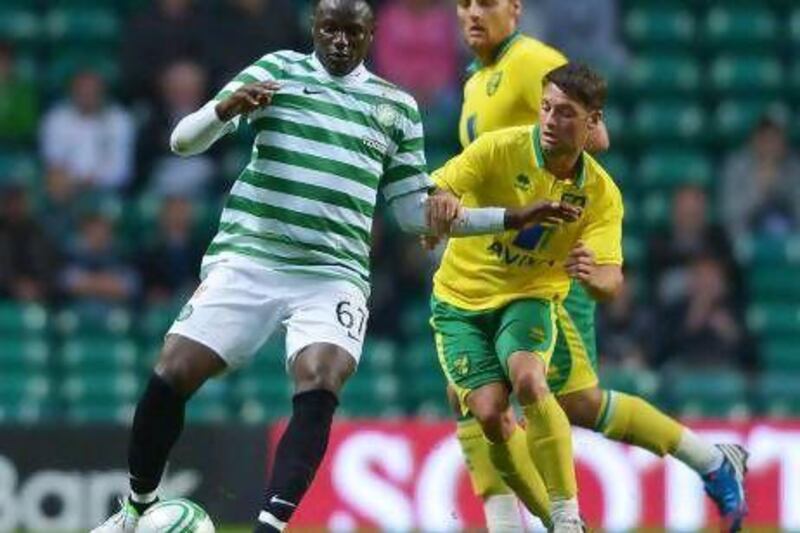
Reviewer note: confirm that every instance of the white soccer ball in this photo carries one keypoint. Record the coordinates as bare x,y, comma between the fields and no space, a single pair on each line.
178,516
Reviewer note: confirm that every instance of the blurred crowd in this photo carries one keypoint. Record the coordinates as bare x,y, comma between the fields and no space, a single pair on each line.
114,219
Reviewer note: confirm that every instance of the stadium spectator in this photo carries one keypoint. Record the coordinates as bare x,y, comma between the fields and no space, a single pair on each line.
585,30
410,30
182,89
56,206
28,261
19,105
625,329
688,234
167,31
704,326
170,263
760,189
96,276
240,30
88,136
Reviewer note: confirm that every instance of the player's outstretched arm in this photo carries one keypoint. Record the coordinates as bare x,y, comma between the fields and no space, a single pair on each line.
196,132
440,214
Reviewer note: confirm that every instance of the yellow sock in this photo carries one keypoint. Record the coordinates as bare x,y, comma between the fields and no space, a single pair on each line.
513,462
632,420
550,446
485,479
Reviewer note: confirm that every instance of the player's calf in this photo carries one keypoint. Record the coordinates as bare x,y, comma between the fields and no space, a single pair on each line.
320,370
183,367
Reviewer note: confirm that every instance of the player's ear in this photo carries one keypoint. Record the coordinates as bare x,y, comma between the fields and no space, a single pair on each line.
516,9
595,118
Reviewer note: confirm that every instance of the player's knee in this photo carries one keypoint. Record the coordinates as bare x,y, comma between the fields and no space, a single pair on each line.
530,385
180,370
322,366
492,422
491,413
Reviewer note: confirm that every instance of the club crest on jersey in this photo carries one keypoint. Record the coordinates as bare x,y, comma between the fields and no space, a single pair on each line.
493,83
386,115
573,199
522,182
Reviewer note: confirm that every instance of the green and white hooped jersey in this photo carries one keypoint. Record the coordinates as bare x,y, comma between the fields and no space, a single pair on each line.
322,150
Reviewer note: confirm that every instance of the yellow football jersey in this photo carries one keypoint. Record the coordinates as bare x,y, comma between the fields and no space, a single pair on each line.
507,92
506,168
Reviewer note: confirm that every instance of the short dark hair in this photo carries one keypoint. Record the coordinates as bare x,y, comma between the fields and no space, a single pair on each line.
581,83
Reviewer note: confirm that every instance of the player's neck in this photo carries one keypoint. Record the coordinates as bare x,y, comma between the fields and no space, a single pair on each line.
488,54
563,167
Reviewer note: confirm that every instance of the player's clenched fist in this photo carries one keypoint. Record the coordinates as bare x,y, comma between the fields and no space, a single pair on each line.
247,98
442,210
580,263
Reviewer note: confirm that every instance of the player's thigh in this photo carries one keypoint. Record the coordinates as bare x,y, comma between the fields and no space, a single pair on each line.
231,312
573,367
464,347
326,316
526,326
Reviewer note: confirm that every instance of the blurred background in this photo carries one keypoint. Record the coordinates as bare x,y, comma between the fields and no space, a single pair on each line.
102,228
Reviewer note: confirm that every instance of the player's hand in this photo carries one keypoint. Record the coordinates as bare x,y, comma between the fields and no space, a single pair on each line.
442,210
547,212
247,98
580,264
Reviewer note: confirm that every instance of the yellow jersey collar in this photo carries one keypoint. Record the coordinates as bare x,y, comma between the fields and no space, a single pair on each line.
538,158
500,51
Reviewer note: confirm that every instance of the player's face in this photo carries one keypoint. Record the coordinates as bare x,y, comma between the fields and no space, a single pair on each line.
486,23
342,31
564,123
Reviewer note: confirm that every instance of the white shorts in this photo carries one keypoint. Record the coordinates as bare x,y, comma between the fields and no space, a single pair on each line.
241,303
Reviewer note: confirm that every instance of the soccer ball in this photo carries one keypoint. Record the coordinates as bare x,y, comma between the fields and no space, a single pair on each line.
180,515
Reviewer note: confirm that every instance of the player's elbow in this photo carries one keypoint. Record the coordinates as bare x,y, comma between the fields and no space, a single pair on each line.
179,145
612,284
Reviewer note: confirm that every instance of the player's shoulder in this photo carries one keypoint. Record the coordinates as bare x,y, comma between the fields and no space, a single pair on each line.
391,91
528,50
599,181
515,140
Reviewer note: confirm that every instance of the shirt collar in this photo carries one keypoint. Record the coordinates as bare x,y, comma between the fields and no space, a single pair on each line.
499,52
538,159
357,75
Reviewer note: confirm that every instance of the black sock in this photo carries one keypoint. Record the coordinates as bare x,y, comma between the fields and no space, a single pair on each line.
142,507
299,454
157,424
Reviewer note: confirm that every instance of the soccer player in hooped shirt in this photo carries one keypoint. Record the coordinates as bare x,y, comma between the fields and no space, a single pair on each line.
293,244
504,90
